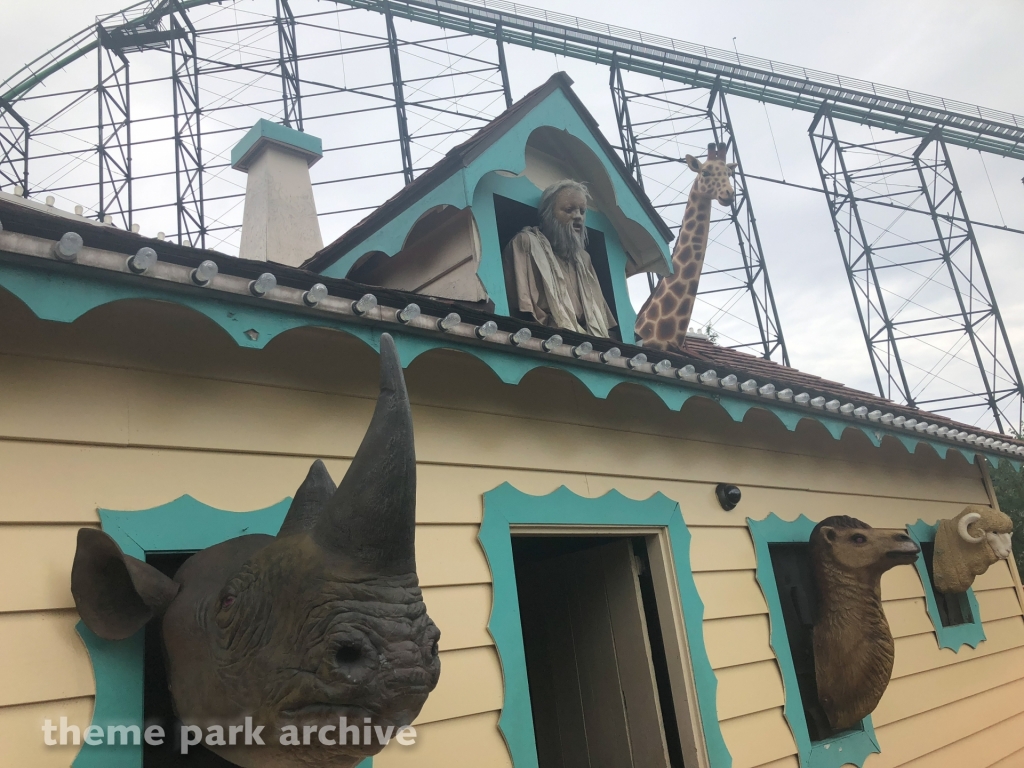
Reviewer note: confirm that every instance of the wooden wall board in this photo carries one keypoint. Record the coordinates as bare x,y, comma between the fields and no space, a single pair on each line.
43,658
758,738
473,741
749,688
470,683
981,749
954,735
1014,760
450,554
737,640
907,617
998,604
722,549
21,734
461,613
919,653
914,694
36,558
901,582
727,594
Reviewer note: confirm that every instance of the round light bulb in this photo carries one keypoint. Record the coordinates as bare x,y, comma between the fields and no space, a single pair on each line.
204,273
612,354
410,313
365,304
585,348
551,342
520,337
636,361
315,295
142,261
262,285
67,248
487,329
449,321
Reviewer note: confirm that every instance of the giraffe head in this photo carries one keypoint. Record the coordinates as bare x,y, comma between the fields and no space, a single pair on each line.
713,175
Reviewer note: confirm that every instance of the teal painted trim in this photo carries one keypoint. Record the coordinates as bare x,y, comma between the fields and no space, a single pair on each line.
184,524
119,695
505,506
491,271
390,238
266,133
849,748
64,297
960,635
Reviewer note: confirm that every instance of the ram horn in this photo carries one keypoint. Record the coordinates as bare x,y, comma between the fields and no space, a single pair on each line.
965,521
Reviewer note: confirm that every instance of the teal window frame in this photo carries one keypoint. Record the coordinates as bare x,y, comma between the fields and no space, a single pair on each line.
852,747
506,507
182,525
959,635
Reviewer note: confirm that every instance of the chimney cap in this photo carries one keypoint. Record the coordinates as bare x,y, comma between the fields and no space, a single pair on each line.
265,134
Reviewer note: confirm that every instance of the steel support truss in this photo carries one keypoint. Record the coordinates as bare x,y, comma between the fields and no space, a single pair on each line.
14,138
188,137
666,124
291,84
114,143
927,310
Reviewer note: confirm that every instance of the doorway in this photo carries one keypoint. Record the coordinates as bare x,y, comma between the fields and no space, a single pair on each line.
595,653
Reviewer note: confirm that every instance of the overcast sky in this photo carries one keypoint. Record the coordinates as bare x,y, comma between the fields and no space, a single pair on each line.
966,51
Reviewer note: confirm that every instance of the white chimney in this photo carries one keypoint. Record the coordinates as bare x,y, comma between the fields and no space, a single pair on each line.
279,223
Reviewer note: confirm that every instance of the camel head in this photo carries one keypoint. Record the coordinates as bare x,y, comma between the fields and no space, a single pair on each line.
855,547
714,175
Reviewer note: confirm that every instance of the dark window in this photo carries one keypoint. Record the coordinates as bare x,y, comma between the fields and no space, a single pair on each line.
157,698
798,596
512,216
954,608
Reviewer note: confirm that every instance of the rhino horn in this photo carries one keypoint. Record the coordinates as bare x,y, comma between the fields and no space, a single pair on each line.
371,518
310,500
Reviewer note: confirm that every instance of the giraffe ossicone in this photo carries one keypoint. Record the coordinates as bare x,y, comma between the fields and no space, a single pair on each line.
665,316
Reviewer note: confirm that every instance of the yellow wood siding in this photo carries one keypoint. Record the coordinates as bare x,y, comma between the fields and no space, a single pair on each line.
131,407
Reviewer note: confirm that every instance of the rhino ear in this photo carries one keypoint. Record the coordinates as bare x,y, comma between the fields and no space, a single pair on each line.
311,498
116,594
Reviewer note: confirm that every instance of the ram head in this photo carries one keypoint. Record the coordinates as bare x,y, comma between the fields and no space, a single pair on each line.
967,545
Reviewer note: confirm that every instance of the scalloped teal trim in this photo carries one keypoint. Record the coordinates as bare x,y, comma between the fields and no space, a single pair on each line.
948,637
64,297
184,524
506,506
850,748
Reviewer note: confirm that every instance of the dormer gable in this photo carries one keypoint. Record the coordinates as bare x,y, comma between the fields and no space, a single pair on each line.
443,234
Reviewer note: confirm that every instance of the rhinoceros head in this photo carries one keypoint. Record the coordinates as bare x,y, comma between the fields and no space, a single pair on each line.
322,622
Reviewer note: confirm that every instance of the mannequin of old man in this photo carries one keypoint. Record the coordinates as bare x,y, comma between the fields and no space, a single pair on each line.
551,270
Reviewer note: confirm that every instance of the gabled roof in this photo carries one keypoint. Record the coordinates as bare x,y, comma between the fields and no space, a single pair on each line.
465,153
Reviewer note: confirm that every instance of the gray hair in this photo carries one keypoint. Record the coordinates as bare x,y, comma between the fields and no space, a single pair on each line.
547,198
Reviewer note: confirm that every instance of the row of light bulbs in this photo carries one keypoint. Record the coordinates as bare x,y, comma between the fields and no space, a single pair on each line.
68,247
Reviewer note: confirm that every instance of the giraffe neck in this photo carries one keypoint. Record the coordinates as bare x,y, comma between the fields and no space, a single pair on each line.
663,321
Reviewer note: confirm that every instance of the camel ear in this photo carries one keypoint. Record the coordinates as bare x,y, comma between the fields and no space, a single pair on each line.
829,534
693,163
116,595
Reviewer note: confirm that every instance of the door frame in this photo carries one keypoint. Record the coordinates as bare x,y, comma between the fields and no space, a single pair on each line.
508,511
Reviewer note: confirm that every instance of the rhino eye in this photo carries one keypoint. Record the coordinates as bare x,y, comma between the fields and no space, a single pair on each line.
227,601
348,653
